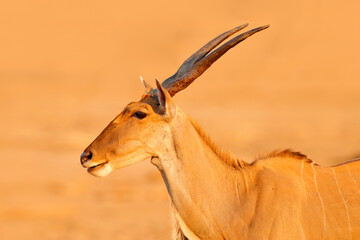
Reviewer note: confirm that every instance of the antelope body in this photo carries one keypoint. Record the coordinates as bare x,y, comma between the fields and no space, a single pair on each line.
283,195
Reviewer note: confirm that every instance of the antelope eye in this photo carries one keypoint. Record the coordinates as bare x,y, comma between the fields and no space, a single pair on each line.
140,115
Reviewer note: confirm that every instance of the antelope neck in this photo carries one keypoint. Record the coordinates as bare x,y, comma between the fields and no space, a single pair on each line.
189,169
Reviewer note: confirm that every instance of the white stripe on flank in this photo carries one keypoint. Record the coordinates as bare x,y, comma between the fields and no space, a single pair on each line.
302,179
346,206
237,187
321,200
352,177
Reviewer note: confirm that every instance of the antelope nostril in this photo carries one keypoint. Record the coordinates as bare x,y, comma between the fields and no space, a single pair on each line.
85,157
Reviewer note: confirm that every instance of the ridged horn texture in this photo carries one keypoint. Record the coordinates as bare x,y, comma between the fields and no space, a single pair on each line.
201,60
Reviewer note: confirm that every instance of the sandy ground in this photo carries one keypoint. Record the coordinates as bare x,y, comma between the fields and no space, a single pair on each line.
67,68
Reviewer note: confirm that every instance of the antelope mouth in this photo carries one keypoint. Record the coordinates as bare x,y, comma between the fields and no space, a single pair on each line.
100,170
100,164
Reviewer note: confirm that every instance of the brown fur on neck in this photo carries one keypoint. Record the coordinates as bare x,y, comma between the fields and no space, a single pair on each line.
236,163
225,156
287,153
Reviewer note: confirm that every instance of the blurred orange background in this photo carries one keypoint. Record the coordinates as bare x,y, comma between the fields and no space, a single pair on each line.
67,68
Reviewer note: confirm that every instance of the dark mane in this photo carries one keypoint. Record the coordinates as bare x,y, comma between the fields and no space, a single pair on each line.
289,153
225,156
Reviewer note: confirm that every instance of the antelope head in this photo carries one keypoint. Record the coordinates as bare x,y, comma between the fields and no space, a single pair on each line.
141,131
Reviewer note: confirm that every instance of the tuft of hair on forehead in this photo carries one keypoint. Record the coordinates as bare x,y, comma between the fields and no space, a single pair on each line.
153,101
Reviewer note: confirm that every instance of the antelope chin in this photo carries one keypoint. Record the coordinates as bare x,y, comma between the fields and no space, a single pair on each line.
101,170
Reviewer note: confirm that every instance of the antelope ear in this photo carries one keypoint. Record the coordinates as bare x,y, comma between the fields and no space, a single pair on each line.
147,86
167,107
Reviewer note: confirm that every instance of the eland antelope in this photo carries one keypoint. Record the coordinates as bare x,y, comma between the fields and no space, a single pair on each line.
283,195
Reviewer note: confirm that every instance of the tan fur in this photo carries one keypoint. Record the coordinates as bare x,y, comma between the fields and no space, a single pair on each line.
177,233
281,195
225,156
287,153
